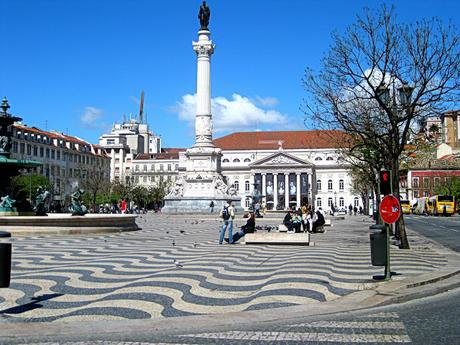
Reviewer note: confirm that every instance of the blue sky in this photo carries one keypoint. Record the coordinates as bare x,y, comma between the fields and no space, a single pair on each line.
79,65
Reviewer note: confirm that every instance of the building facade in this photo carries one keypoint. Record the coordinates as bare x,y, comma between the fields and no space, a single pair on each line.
286,169
67,160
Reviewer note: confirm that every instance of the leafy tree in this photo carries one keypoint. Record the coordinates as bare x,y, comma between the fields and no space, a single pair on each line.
368,66
28,184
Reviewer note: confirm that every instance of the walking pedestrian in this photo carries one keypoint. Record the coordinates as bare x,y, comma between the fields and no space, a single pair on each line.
228,214
211,205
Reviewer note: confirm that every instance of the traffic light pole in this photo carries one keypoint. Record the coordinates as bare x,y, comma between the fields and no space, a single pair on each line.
388,266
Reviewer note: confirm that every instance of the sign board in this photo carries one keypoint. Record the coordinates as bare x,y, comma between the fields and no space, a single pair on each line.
390,209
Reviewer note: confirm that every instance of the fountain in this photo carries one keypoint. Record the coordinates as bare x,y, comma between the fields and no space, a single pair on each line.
11,167
17,215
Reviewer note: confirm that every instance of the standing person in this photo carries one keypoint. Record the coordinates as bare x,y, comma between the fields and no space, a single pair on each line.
123,206
350,209
264,208
211,205
228,214
333,209
248,228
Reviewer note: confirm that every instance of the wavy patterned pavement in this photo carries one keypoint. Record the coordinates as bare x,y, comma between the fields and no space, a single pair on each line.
133,275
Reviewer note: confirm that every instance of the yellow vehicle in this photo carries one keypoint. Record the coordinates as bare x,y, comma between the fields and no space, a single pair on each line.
442,204
405,207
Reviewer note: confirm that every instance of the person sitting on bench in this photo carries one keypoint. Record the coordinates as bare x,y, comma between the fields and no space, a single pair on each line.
287,221
248,228
297,221
318,220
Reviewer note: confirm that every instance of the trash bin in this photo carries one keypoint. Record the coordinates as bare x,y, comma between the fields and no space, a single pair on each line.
378,245
5,260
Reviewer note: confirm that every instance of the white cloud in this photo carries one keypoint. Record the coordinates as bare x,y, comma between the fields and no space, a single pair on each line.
266,101
237,113
91,117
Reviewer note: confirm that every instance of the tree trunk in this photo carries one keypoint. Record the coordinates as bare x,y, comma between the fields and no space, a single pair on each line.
400,226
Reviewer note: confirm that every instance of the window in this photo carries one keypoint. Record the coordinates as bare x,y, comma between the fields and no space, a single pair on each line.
144,178
58,155
246,186
415,182
41,151
117,160
318,202
329,159
247,203
329,202
176,167
136,168
356,201
318,159
236,185
318,185
29,149
47,153
415,193
225,160
22,148
426,182
35,151
247,160
145,167
236,160
341,202
53,154
329,185
169,167
437,181
110,141
341,185
161,167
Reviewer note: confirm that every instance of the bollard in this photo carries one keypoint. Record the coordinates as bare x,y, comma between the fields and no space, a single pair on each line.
5,260
378,241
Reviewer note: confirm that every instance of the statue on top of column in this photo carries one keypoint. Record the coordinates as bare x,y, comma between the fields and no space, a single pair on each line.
204,15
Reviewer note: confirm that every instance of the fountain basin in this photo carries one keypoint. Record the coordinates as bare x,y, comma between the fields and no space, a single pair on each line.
66,224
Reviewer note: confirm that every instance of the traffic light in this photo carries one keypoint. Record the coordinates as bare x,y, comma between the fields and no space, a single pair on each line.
385,182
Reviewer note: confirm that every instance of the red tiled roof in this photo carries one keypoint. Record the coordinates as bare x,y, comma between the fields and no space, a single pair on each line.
172,150
163,155
314,139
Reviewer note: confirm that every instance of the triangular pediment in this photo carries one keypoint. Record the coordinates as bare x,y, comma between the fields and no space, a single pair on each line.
281,159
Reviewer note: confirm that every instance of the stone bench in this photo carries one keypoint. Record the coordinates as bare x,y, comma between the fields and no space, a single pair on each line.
302,239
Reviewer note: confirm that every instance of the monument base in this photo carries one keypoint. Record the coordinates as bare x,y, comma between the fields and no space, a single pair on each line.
198,205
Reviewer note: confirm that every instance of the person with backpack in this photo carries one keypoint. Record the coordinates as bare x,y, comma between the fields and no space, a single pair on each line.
245,229
228,214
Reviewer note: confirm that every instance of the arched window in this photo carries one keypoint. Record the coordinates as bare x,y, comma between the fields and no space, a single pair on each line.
329,202
318,159
236,160
341,185
341,202
318,185
329,159
329,185
246,186
247,160
356,201
236,185
225,160
318,202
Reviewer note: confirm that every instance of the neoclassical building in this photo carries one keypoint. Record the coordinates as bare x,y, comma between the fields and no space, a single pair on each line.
285,168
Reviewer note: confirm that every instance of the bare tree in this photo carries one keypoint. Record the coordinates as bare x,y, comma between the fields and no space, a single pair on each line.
373,62
96,182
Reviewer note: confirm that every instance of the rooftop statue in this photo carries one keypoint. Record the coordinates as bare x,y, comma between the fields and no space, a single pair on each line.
204,15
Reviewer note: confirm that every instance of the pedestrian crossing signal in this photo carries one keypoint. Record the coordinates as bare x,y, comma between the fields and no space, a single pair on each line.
385,182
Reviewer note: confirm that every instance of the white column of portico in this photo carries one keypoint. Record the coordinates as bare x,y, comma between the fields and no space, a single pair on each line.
310,189
275,191
286,190
298,189
264,187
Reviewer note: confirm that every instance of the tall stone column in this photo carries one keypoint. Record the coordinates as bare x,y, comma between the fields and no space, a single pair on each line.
275,191
204,48
310,189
